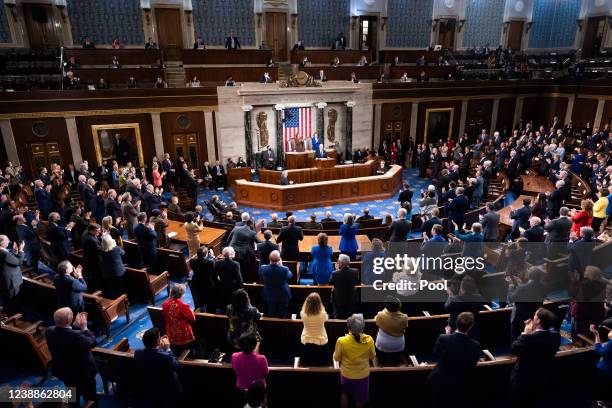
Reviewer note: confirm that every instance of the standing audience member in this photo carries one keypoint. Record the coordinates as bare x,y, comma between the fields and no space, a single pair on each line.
265,248
321,265
28,234
179,317
453,378
159,369
348,232
11,279
69,287
400,228
242,317
230,279
289,238
315,350
146,237
604,365
354,352
113,269
204,281
276,292
344,292
248,365
390,341
70,345
193,227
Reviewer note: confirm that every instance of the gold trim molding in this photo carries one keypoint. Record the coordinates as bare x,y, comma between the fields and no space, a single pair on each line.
450,123
96,138
105,112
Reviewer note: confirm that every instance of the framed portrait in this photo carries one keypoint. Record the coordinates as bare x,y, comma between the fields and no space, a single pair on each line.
438,124
120,142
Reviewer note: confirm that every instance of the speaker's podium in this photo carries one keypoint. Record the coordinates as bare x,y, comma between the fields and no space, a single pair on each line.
305,160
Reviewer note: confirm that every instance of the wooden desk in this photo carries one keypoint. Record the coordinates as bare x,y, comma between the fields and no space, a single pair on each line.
327,56
211,237
226,57
537,184
343,72
104,56
304,160
297,196
408,56
314,174
305,246
326,163
238,173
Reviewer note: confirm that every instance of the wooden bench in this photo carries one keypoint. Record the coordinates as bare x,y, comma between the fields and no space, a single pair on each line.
24,343
239,74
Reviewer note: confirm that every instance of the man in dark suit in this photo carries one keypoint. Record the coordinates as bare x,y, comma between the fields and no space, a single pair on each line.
527,298
88,44
92,256
328,217
152,199
147,242
490,223
265,248
29,235
365,216
432,248
555,199
231,42
10,278
558,232
340,42
535,232
70,346
400,228
111,205
344,294
69,286
535,350
42,194
168,168
230,278
268,158
581,251
290,236
243,239
452,378
457,207
313,224
57,236
158,368
432,220
405,196
218,174
276,292
274,222
199,44
71,175
521,218
89,196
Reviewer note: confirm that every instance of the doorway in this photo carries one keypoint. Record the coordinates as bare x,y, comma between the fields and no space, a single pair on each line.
446,33
186,146
515,35
44,155
41,26
276,35
368,29
169,31
595,33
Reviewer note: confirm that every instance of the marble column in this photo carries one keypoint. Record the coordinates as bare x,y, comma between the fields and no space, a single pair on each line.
210,136
599,113
494,113
280,142
462,118
158,137
414,118
321,121
9,141
73,137
348,155
248,135
569,112
518,110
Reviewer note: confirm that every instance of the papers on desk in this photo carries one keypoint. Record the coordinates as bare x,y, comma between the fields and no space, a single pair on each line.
172,234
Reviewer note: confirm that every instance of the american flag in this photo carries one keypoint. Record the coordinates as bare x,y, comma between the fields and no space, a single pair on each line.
298,121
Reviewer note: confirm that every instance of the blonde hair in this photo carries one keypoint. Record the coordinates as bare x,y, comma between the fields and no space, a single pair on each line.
107,222
312,305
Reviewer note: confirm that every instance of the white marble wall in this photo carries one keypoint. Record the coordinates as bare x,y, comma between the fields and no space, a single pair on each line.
263,97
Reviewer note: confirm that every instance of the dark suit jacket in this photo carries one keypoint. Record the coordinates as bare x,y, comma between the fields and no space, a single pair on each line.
11,279
71,354
457,357
534,234
457,209
228,43
89,196
527,298
290,236
28,235
558,229
490,225
152,201
555,202
71,178
70,292
242,239
92,253
275,279
57,235
344,293
112,208
534,366
521,217
158,371
146,239
230,279
399,229
43,200
112,263
405,195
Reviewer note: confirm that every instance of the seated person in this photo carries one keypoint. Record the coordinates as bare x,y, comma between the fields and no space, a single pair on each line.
363,62
115,45
284,178
71,64
132,83
354,78
313,224
335,62
71,81
229,81
298,46
160,83
321,76
88,44
199,45
382,169
195,82
102,84
328,217
366,215
270,63
241,162
274,223
157,64
150,45
321,153
266,78
115,62
404,77
305,62
174,205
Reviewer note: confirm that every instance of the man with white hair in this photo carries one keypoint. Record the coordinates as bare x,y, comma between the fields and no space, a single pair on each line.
230,278
328,217
344,293
400,228
89,196
274,223
10,277
244,217
558,232
57,236
70,345
555,199
42,194
535,232
276,292
152,199
243,239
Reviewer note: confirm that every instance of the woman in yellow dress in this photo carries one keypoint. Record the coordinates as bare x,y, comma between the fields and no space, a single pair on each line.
193,227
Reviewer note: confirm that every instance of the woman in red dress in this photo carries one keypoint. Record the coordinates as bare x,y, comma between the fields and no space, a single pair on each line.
393,153
157,176
582,218
178,317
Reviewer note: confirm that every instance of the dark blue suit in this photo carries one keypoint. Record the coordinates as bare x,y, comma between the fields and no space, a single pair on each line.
57,236
147,245
44,201
321,154
89,197
70,292
521,219
457,209
158,371
276,292
31,250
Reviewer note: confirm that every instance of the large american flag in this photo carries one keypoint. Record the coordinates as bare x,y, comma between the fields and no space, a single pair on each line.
298,121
